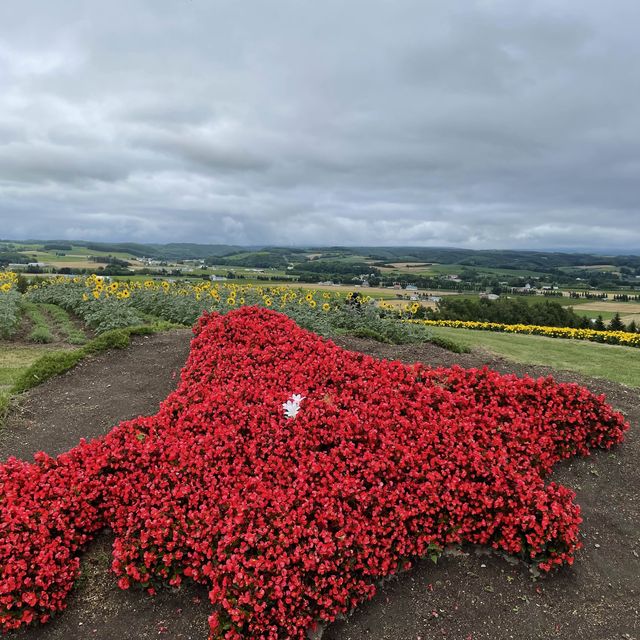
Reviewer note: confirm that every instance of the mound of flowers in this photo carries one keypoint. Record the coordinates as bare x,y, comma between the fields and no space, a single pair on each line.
289,476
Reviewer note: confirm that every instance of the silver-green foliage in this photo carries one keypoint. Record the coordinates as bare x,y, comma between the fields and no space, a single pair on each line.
9,312
174,307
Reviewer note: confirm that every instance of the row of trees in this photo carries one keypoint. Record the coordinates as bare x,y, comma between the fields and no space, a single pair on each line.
507,311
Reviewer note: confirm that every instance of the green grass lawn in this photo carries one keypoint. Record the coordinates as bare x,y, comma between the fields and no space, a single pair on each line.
16,359
619,364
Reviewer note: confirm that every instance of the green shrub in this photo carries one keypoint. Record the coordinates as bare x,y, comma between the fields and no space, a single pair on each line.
449,345
364,332
115,339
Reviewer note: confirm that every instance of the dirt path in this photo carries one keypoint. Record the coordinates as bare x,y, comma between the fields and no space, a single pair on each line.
467,597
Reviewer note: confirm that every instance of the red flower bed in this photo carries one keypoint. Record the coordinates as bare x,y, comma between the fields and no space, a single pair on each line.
293,520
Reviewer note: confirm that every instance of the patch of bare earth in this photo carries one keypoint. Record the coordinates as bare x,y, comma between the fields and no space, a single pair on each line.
471,596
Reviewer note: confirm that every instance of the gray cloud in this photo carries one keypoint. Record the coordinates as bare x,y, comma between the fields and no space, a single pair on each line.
409,122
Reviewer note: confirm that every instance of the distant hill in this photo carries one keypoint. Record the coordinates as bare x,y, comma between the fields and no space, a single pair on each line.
497,259
270,256
170,251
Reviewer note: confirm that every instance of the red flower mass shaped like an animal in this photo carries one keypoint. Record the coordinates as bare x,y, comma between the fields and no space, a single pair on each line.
293,520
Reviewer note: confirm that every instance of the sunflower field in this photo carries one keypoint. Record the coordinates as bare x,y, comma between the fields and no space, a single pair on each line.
104,305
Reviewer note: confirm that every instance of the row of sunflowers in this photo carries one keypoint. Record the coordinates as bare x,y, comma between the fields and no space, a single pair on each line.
609,337
106,305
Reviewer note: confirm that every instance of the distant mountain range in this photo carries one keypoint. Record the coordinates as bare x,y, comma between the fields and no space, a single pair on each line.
229,254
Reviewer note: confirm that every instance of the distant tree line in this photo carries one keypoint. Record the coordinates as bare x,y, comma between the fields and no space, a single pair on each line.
8,257
508,311
117,262
57,246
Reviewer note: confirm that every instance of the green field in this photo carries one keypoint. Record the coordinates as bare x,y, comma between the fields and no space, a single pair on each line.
75,254
619,364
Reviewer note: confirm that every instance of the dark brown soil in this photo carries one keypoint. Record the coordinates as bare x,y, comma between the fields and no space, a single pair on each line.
469,596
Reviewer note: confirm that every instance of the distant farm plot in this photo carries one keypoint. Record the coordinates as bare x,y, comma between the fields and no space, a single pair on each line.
597,267
402,266
607,309
77,257
613,305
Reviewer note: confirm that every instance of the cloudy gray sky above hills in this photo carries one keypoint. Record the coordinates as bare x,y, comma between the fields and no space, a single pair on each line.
475,124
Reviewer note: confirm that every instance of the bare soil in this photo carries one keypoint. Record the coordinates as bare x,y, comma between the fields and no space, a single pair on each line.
469,596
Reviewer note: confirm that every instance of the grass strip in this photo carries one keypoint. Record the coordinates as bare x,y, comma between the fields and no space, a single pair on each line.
57,362
64,324
611,362
46,367
5,403
41,333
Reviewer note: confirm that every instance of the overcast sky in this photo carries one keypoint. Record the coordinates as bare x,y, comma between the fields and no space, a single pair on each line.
480,124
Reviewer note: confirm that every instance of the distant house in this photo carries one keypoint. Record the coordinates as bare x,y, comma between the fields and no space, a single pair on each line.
215,278
489,296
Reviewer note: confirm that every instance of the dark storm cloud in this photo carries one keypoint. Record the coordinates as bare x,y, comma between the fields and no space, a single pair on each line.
478,124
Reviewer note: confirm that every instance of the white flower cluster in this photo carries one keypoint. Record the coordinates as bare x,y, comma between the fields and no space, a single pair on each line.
292,405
